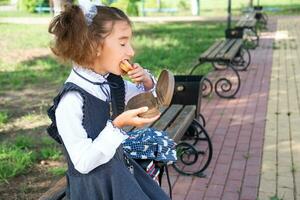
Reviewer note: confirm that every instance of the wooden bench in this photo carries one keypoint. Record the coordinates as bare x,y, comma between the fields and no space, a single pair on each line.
225,54
176,120
248,26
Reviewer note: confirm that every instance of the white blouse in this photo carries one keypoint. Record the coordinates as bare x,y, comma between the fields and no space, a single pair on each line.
85,153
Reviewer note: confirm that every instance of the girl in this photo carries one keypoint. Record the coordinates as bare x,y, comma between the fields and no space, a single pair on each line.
88,113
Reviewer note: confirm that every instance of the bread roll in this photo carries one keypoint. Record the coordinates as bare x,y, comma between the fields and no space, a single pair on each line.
126,66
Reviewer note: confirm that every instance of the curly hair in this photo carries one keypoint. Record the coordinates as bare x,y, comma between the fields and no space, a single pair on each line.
77,41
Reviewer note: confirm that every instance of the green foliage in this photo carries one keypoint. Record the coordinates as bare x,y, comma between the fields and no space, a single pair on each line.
13,161
184,5
4,2
30,5
24,142
58,171
3,117
129,6
51,153
121,4
132,8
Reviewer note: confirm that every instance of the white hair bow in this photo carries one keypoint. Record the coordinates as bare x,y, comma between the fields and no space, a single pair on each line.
89,9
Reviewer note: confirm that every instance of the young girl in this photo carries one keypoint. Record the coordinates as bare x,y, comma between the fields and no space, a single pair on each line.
88,113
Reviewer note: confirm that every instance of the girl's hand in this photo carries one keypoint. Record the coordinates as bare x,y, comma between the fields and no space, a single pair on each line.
139,75
131,118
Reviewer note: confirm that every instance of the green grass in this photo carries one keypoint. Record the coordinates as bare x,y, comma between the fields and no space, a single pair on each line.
58,171
23,36
3,118
50,153
24,142
19,155
19,13
14,161
174,46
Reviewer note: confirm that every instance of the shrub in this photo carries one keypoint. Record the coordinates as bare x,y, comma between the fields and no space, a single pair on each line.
30,5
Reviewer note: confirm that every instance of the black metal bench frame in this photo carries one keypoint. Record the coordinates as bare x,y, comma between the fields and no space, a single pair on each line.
247,25
227,54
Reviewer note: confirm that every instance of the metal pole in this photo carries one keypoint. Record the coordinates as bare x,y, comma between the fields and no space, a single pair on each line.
229,15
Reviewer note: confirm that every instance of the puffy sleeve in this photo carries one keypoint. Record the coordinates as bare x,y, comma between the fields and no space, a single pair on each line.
85,153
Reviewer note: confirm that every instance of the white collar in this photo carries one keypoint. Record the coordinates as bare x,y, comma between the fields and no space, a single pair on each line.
89,74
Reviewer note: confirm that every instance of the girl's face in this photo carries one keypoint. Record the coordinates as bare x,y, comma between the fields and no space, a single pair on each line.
115,48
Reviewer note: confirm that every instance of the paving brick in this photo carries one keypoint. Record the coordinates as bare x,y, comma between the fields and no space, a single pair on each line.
194,195
230,196
251,180
249,193
236,174
214,191
233,186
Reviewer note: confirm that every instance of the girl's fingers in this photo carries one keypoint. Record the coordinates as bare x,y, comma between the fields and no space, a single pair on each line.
136,80
140,110
143,121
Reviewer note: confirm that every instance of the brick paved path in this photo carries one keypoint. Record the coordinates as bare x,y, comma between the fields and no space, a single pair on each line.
237,128
281,160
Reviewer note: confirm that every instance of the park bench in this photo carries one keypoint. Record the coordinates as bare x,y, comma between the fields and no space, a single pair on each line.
247,26
226,54
260,15
184,124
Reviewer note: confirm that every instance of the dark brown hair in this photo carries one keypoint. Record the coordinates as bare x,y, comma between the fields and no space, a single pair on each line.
76,40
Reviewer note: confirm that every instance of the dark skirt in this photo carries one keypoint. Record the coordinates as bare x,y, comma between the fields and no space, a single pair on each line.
113,181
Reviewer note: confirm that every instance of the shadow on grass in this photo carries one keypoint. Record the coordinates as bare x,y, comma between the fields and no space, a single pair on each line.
38,72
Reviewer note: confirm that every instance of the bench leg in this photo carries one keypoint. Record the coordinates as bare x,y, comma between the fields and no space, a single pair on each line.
243,59
251,38
219,65
190,160
228,87
207,87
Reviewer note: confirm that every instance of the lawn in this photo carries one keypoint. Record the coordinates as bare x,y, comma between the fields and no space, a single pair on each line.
30,77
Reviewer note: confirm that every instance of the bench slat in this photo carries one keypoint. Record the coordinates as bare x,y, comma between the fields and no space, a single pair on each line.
217,50
57,191
182,122
234,49
212,48
130,128
162,111
226,48
167,118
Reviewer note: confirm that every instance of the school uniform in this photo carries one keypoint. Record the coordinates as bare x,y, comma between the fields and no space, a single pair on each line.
81,121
